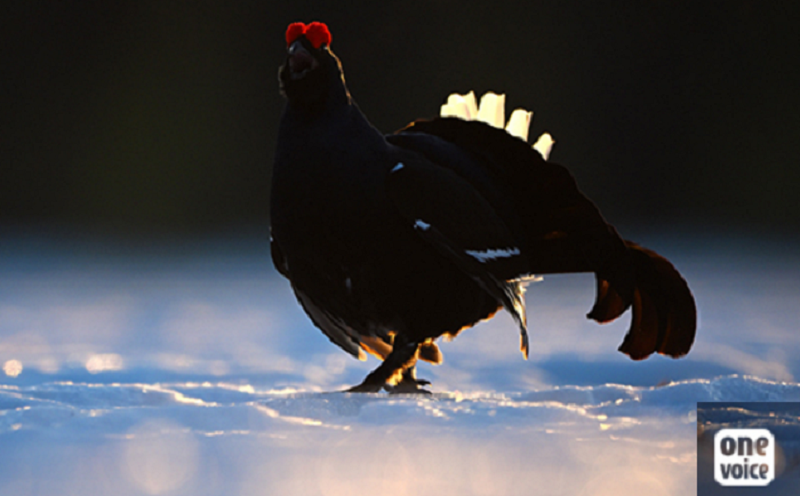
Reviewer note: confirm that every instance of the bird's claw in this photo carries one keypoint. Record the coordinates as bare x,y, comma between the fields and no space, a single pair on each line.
406,390
405,386
408,386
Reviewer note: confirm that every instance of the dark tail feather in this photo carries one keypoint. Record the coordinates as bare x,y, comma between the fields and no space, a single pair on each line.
615,275
608,304
664,314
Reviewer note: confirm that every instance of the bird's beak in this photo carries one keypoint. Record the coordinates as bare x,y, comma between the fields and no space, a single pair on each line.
301,62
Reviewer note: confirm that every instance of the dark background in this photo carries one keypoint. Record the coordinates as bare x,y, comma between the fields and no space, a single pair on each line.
155,116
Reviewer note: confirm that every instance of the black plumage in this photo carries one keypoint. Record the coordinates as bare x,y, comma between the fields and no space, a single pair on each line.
393,241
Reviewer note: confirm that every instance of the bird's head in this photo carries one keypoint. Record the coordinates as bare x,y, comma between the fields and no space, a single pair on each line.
312,74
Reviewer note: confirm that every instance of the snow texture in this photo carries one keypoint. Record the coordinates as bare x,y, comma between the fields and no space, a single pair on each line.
191,370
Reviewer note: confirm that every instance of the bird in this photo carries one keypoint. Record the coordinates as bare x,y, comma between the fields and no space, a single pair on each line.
391,242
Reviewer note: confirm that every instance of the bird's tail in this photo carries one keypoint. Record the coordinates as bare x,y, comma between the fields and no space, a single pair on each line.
664,314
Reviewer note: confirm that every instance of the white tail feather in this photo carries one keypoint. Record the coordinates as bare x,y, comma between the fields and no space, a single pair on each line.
492,111
461,106
544,145
519,123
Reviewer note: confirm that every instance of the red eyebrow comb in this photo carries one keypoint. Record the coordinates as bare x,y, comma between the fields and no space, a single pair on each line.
316,32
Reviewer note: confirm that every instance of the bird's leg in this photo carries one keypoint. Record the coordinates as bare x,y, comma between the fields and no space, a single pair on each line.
409,383
403,356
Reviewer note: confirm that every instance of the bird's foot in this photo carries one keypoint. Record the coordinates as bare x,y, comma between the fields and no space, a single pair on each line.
405,386
409,386
399,363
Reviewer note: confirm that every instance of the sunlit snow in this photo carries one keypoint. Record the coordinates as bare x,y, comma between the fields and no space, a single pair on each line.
190,369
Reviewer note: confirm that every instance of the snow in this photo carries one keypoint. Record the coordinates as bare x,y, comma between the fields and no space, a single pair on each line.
190,369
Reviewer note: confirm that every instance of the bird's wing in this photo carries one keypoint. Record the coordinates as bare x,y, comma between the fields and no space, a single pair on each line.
451,215
335,328
560,229
337,331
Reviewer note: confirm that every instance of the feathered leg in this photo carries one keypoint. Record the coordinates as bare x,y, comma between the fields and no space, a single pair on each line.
409,384
399,364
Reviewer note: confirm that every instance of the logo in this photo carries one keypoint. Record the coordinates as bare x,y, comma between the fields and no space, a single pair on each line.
744,457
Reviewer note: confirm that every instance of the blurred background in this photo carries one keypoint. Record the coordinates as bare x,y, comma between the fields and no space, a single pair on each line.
155,117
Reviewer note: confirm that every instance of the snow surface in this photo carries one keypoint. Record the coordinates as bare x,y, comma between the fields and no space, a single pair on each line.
190,369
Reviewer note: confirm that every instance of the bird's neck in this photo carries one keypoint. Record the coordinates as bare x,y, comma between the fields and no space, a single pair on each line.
335,122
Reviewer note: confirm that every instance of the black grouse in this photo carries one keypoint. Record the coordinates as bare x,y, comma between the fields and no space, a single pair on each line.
393,241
